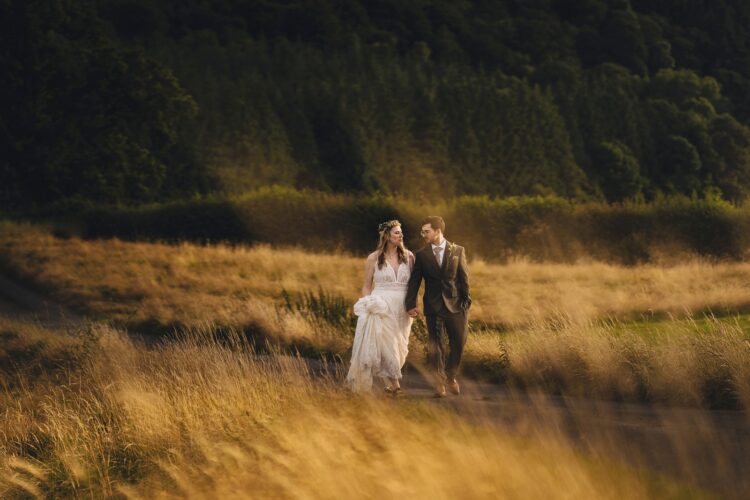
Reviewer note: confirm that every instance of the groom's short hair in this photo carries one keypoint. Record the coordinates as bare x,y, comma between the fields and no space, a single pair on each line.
435,221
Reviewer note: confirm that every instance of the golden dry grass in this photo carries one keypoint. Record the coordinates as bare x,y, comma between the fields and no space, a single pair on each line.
186,284
203,416
190,285
686,365
199,418
556,344
523,292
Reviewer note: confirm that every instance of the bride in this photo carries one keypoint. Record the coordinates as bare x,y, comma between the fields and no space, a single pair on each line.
382,335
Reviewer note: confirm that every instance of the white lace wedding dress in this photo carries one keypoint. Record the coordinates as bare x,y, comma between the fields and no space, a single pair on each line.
381,339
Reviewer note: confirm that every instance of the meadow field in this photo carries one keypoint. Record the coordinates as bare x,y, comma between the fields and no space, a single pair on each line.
644,333
220,402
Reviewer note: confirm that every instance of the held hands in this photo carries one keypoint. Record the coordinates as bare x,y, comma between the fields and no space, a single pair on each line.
412,312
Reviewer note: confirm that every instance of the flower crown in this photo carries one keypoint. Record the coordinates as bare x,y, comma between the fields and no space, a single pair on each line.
387,225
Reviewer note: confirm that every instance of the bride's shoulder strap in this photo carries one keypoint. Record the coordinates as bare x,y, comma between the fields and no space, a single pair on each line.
371,259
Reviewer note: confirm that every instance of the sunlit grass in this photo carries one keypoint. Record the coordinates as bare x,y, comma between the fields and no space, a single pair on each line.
206,414
571,340
203,416
187,284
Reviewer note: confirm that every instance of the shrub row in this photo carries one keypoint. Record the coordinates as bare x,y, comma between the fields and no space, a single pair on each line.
541,228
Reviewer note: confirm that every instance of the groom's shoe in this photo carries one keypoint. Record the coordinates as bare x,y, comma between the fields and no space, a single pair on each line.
453,387
440,391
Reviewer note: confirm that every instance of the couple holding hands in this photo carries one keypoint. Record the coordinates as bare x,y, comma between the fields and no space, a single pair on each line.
388,306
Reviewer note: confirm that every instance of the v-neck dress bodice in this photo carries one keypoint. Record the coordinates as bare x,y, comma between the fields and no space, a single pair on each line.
389,279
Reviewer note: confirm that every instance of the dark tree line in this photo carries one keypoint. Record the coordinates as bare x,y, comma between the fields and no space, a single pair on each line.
133,100
81,118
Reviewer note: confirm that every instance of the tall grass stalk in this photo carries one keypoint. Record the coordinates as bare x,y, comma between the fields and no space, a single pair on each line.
204,416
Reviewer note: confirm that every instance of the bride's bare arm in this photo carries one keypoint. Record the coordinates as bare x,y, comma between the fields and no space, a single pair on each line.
369,272
411,261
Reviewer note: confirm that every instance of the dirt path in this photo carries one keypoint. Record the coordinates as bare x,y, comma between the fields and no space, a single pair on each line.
710,449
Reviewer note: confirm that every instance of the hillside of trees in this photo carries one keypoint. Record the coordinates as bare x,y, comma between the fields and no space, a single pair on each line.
135,100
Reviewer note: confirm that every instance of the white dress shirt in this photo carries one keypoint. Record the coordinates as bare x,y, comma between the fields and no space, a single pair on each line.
442,252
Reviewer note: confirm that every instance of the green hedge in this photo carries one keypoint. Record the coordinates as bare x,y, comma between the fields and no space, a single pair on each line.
275,215
558,230
542,228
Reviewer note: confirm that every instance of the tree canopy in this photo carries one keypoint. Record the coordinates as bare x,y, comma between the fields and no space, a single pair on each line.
133,100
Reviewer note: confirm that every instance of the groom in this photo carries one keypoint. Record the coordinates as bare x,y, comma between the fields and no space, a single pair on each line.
442,265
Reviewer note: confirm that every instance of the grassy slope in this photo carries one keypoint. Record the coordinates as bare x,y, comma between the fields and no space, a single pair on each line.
190,284
556,341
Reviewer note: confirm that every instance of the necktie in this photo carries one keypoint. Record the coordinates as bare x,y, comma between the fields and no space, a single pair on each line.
437,250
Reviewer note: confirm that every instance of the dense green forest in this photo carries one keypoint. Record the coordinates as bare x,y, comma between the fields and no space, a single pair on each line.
136,100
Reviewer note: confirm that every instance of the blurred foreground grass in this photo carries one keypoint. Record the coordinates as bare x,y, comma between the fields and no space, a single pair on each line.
201,415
